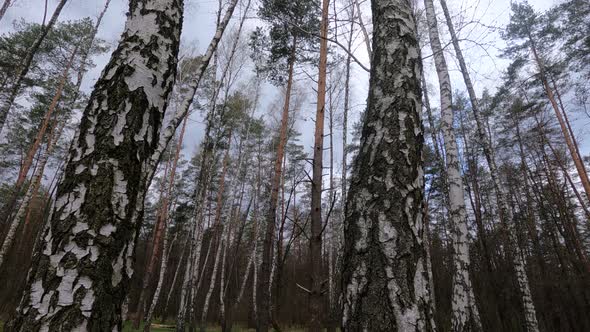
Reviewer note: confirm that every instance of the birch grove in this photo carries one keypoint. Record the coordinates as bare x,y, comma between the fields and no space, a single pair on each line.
282,165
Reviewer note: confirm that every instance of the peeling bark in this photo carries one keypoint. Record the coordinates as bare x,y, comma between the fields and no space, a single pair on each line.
82,268
385,272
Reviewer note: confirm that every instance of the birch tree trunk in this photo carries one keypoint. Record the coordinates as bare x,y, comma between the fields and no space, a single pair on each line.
3,9
366,37
6,100
220,242
504,210
345,113
218,228
187,100
81,270
385,276
465,316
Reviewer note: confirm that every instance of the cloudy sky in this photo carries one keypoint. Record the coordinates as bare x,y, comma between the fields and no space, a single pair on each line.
199,24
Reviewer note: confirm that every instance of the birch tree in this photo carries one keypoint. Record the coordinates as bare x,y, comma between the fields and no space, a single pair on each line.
57,126
385,276
504,210
82,267
464,309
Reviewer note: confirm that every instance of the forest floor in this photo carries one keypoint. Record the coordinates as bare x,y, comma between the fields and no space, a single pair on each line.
164,328
170,327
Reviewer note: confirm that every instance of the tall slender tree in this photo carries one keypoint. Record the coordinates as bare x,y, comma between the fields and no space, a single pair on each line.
527,27
504,210
289,22
464,309
315,246
7,97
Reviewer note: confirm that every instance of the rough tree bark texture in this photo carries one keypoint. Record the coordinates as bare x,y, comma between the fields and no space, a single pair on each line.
81,269
385,277
315,245
263,292
504,209
7,99
465,316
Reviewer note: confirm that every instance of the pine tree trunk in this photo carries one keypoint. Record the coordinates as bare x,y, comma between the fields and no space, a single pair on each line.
176,272
385,278
162,273
31,190
82,268
164,216
569,140
28,161
218,228
504,210
80,76
465,316
7,100
263,303
315,246
159,235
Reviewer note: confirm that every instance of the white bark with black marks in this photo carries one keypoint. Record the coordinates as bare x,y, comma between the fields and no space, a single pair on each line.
465,316
385,276
504,209
81,270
